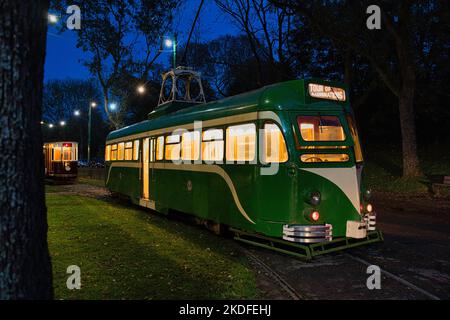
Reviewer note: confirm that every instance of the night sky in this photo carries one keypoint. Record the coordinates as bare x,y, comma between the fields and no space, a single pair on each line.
63,57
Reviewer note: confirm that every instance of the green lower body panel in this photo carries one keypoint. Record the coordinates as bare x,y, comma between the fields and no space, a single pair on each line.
305,251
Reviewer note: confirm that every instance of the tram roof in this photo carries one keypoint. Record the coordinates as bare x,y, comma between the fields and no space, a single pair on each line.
283,96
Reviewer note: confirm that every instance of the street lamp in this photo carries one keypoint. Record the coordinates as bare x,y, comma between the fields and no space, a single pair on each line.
141,89
62,123
52,18
50,125
112,106
172,44
168,43
92,105
76,113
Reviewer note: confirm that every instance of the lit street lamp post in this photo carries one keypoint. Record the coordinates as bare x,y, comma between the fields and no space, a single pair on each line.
172,44
174,52
92,105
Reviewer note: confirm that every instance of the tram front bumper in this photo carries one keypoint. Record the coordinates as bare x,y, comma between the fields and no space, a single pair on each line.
308,233
324,233
356,229
359,229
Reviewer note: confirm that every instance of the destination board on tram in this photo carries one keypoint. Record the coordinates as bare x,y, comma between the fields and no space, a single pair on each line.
321,91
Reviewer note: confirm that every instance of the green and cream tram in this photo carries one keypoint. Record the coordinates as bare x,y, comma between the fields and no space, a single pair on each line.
280,166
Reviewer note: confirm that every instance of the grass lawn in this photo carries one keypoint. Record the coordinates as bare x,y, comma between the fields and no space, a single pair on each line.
91,181
127,253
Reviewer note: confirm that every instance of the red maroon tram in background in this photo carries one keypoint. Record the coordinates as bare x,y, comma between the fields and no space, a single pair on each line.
61,160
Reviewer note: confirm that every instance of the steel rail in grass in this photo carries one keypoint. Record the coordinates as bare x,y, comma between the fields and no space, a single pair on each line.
307,252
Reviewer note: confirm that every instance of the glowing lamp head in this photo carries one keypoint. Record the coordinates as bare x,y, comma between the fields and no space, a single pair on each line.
93,104
50,125
76,113
168,43
315,216
52,18
369,208
62,123
113,106
140,89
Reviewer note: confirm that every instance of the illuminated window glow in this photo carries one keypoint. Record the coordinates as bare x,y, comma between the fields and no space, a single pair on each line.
160,148
114,152
66,151
321,128
108,153
241,142
56,154
136,150
120,152
190,145
354,133
212,145
322,157
274,145
173,147
129,150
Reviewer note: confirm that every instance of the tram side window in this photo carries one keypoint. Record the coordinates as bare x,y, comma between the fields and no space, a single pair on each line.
190,145
322,157
321,128
241,142
108,152
67,154
160,148
173,147
152,150
274,146
354,133
136,150
114,152
212,145
129,150
120,150
56,154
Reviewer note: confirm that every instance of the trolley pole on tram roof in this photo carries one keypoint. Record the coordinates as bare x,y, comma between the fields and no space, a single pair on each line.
92,105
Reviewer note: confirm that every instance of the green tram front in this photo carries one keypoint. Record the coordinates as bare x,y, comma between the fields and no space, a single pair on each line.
283,161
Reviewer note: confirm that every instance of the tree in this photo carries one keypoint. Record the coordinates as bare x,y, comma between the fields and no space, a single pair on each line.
25,267
61,99
266,28
393,52
123,37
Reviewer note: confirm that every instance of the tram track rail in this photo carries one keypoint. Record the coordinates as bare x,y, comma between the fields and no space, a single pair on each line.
294,294
396,278
275,276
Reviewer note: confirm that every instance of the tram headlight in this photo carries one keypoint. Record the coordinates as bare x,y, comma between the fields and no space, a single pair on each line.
315,198
312,215
315,215
367,194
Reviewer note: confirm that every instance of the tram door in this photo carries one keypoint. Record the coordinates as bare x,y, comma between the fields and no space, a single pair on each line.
145,169
148,161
